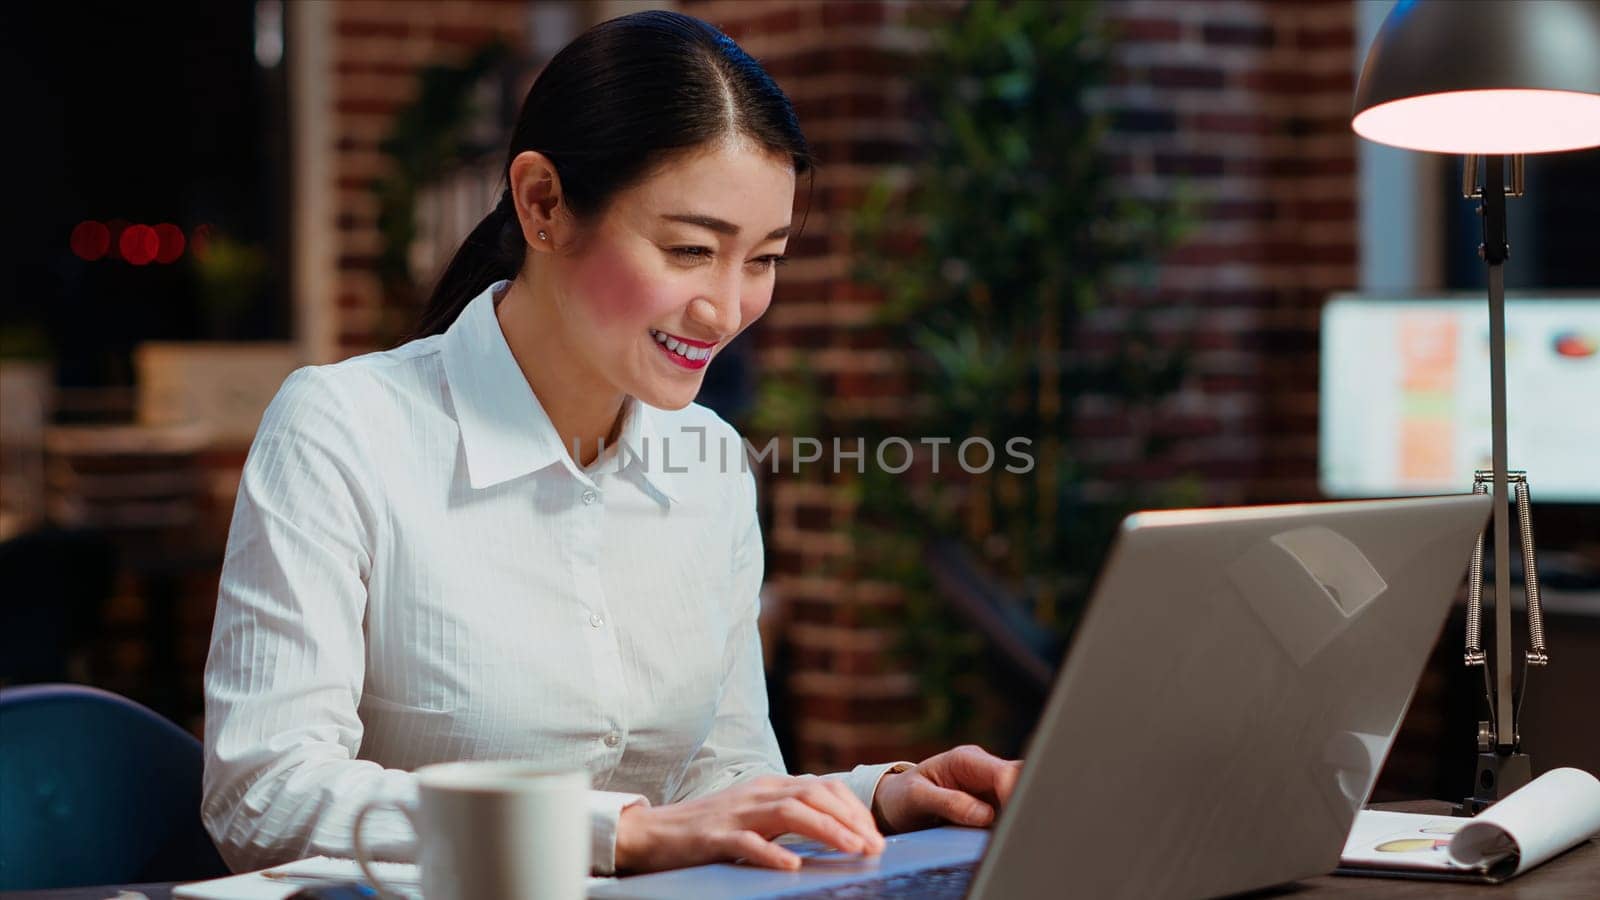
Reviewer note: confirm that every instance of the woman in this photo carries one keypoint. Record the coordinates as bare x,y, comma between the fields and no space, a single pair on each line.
515,537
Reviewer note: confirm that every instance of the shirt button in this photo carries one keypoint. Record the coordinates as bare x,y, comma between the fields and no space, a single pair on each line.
589,496
613,739
596,620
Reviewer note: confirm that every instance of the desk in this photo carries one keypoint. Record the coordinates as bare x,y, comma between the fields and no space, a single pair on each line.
1571,876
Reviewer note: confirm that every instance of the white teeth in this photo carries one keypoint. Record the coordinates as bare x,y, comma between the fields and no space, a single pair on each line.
679,347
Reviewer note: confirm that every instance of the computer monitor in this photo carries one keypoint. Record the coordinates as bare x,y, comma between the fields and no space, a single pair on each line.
1405,395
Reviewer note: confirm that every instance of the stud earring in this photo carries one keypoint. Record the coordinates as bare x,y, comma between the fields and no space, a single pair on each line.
543,236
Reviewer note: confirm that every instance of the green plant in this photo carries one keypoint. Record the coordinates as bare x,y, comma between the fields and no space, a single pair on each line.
1008,237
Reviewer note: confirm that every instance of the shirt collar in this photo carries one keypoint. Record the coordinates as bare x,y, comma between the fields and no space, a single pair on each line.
641,449
505,431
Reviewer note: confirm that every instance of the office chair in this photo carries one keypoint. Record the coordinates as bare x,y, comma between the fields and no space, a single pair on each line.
96,789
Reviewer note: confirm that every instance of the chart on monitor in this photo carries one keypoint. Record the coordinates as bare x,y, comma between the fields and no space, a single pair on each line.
1405,395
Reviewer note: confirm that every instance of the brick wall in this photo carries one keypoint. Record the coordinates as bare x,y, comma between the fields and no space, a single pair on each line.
377,49
1247,104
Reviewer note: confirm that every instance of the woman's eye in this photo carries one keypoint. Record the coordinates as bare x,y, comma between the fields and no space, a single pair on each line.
691,254
694,255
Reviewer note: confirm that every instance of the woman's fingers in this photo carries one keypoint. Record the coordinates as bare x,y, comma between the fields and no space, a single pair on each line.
833,798
957,807
1005,780
757,850
794,815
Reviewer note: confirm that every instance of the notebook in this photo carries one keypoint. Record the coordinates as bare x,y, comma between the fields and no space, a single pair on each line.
1550,815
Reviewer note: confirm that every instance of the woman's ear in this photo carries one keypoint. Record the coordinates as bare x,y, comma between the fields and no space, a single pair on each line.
536,193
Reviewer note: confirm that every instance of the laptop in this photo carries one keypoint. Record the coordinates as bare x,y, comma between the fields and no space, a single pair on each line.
1221,715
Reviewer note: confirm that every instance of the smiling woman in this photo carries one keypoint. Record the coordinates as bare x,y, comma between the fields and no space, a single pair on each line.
679,254
477,545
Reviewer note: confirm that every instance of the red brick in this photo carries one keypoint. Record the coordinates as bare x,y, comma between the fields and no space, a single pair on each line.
1336,209
1241,210
1145,30
1144,121
836,14
345,142
1237,34
1185,76
371,28
1325,38
399,68
367,105
1234,123
1188,164
813,516
464,35
1295,81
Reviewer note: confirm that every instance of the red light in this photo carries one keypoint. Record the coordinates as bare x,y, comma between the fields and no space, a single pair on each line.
90,240
139,244
170,242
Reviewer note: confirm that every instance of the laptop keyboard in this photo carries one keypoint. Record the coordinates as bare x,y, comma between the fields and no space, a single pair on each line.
942,883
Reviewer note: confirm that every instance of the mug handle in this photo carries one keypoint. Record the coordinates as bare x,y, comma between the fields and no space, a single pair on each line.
363,858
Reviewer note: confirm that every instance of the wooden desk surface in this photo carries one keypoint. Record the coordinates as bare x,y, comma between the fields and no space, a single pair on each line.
1574,875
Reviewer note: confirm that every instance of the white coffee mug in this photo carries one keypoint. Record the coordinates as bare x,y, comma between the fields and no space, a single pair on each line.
510,830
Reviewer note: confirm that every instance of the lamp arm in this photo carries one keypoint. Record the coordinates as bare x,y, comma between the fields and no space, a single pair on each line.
1495,251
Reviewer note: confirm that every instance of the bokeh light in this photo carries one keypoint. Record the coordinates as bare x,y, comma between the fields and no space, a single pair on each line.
90,240
171,242
139,244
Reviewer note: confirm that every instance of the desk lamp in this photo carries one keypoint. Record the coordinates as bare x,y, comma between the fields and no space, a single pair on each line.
1489,80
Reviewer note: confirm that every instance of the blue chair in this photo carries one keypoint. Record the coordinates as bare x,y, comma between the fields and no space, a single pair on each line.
97,789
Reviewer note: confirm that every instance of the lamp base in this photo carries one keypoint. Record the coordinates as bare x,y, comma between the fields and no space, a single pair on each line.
1498,775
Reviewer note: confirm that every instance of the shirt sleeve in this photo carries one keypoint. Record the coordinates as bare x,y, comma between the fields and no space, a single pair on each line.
285,672
741,744
287,659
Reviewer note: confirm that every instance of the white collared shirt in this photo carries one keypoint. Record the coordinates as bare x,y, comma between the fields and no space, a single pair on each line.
418,572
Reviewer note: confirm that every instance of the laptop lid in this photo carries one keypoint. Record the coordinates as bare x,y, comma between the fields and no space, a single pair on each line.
1229,697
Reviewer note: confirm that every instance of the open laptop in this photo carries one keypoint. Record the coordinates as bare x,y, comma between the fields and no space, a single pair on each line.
1221,715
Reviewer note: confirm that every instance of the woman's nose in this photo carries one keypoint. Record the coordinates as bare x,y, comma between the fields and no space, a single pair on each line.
719,315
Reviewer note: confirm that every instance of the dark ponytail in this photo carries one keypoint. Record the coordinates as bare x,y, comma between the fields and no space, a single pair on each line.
614,104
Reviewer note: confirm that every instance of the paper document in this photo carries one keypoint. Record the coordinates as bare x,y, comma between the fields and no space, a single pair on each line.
279,882
1550,815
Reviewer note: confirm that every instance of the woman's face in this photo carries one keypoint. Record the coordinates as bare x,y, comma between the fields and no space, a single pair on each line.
676,267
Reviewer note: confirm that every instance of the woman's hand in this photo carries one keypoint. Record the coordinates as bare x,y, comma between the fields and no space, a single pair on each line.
964,786
740,822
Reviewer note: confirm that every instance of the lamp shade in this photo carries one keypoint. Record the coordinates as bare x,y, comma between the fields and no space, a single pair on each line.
1485,77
